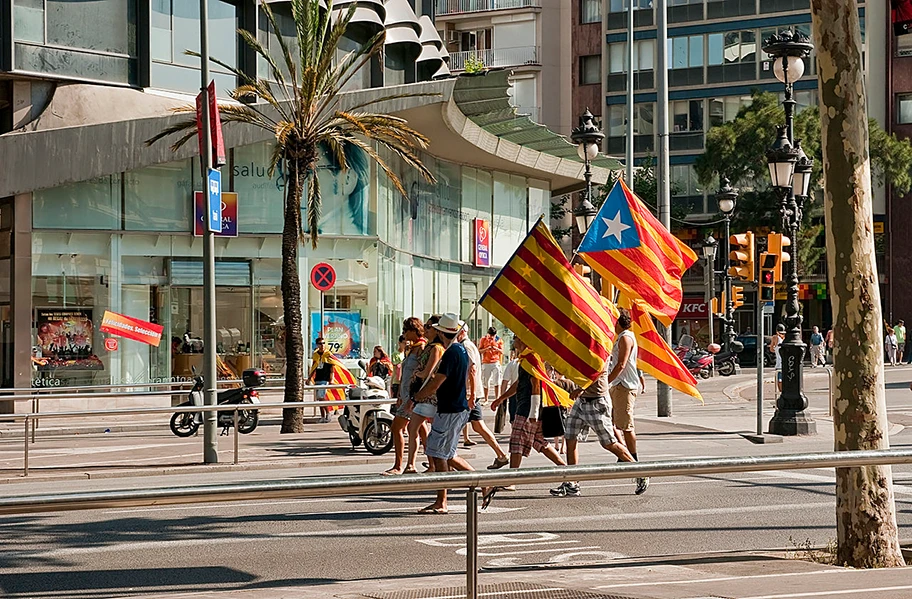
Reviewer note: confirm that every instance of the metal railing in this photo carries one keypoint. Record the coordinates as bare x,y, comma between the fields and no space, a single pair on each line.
497,57
13,393
455,7
29,418
472,481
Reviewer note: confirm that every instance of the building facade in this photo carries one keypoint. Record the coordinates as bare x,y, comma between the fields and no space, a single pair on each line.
716,63
96,224
528,37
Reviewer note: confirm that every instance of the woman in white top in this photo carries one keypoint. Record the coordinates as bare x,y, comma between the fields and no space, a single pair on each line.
890,345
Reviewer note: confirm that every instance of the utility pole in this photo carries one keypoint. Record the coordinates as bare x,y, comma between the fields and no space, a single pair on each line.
210,371
664,405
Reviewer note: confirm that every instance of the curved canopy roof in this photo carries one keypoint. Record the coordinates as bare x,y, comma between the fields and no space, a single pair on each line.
401,24
368,13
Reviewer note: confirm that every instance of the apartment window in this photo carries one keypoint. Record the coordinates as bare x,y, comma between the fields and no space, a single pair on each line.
590,69
616,120
643,56
590,11
685,180
686,52
686,115
904,109
643,115
621,5
724,110
737,47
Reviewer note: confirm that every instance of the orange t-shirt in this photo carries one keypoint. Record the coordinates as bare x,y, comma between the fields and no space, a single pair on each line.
494,347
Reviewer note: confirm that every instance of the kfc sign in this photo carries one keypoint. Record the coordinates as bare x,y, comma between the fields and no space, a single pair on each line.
693,307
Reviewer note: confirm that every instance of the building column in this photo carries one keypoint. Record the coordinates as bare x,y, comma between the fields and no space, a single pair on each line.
21,290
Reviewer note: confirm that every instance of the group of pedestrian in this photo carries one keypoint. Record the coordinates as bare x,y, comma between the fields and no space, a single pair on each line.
894,343
444,378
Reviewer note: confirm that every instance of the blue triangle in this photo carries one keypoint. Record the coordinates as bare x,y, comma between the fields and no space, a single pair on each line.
614,227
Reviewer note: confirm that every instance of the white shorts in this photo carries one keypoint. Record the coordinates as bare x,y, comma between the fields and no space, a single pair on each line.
490,375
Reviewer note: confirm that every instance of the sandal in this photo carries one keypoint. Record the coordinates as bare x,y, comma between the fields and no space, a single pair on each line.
391,472
409,470
433,510
488,497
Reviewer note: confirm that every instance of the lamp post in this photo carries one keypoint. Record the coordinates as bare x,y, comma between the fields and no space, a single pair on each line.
790,171
727,197
709,252
588,138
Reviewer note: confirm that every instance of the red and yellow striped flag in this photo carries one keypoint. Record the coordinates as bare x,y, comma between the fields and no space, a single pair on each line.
631,249
553,309
654,357
552,395
340,376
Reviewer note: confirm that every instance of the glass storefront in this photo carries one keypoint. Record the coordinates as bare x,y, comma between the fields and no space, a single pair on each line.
124,245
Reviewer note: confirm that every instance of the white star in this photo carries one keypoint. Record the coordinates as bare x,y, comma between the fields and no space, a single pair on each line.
614,226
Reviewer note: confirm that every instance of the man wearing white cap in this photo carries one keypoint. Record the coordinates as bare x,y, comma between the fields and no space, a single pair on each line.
449,383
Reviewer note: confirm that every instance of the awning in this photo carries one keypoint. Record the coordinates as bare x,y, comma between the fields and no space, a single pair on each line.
368,13
430,42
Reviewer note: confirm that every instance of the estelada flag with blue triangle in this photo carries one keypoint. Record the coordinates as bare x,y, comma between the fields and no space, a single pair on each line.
631,249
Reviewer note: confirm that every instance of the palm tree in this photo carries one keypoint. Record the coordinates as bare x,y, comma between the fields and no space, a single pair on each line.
300,104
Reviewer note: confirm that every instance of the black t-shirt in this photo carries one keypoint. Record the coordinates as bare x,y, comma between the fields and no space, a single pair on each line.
451,395
523,393
323,374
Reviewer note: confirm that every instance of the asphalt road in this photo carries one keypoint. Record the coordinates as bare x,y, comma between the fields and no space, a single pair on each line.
270,545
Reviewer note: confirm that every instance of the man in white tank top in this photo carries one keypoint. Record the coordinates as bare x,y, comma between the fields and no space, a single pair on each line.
624,383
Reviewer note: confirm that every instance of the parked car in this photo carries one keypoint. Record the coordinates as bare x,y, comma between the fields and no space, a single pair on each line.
748,357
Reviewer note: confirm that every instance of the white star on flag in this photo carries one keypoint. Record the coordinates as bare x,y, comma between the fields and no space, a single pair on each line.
614,227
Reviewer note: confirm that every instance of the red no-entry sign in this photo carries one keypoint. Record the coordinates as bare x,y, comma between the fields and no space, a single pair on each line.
323,277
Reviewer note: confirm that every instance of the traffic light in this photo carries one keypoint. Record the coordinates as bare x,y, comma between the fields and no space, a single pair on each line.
741,256
737,296
769,265
777,245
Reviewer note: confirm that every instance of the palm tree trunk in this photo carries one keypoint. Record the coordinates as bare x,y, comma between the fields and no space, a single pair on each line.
292,418
867,536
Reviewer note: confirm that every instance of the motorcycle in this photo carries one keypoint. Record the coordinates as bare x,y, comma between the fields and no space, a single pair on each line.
696,360
370,424
186,424
726,362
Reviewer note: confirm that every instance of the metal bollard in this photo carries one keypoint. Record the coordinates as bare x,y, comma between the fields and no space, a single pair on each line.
472,543
829,370
235,435
25,455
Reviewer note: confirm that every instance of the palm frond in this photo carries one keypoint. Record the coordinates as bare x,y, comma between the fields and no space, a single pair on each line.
313,207
178,127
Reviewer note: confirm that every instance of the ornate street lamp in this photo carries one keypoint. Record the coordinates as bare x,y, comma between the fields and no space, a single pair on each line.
790,173
727,198
588,138
709,252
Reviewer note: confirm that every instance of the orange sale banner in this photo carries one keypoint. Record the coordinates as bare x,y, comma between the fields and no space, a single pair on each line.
131,328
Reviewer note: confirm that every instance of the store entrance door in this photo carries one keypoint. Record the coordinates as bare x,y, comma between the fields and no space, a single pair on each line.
467,304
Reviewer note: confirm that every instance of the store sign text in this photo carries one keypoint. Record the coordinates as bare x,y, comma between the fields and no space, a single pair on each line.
482,242
131,328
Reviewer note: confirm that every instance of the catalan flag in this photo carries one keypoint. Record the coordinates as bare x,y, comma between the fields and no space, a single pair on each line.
654,357
340,376
552,395
553,309
631,249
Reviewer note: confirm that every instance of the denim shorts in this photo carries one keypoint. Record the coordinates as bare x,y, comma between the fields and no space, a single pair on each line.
428,410
445,432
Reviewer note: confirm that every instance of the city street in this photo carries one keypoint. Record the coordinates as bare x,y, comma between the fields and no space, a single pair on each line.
272,545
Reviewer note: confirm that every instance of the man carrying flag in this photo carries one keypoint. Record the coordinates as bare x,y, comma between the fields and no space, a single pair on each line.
631,249
326,369
532,387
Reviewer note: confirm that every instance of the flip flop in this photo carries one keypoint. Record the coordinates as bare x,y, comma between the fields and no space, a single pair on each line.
409,470
433,510
488,497
390,472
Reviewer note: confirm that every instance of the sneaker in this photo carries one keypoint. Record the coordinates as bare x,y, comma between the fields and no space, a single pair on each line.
642,485
499,463
566,490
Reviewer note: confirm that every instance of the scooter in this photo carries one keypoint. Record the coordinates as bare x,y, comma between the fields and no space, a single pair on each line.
370,424
185,424
726,362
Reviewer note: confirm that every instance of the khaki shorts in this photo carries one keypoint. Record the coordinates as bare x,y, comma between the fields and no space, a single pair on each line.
622,402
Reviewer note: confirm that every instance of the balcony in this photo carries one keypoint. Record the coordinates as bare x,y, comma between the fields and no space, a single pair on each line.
497,57
458,7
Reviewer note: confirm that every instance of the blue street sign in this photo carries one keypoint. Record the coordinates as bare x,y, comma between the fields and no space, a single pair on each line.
214,205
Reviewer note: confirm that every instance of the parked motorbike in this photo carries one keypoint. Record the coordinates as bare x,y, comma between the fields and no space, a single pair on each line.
696,360
726,362
370,424
185,424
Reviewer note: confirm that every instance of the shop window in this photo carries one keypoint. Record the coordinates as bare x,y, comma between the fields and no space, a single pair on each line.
590,11
158,198
260,197
904,109
590,69
91,204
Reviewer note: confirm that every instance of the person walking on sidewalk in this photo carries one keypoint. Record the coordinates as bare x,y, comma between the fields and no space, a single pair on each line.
890,346
527,427
321,372
817,348
423,410
449,386
900,331
413,336
476,417
592,410
492,351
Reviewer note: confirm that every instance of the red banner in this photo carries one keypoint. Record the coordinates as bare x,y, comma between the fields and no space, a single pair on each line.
215,127
902,17
131,328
